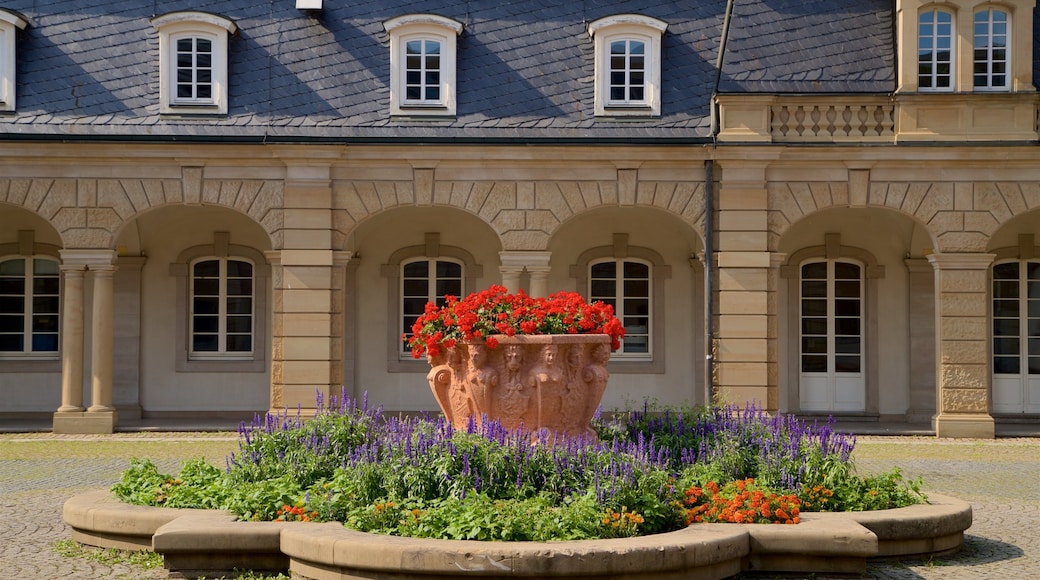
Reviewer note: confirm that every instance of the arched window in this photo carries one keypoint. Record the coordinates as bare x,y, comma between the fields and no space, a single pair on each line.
626,284
992,67
1016,336
222,309
935,45
426,280
29,306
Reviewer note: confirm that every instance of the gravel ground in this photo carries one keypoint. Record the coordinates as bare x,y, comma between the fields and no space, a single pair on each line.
1001,479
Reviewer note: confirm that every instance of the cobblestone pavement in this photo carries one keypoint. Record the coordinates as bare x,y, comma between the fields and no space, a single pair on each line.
1001,478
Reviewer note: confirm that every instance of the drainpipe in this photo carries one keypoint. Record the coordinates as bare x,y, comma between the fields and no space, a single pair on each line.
709,281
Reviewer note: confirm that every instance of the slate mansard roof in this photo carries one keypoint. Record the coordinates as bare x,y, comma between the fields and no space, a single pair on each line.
525,68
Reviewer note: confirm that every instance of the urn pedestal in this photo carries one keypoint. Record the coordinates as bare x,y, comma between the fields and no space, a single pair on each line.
548,382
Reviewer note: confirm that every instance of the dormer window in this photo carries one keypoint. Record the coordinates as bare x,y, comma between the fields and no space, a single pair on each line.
422,64
10,23
628,65
991,44
193,71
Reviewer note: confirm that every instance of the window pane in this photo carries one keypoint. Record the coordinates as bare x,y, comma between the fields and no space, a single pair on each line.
239,343
1006,346
1034,365
1005,308
205,342
184,45
617,47
604,270
240,287
814,271
45,343
637,288
204,61
602,288
636,270
206,324
417,269
45,304
12,343
846,364
846,289
203,45
814,289
237,269
814,308
12,304
814,364
847,344
1009,326
413,287
448,269
846,307
206,287
1006,365
846,271
206,305
415,305
239,324
637,306
814,326
452,287
45,285
846,326
207,269
239,305
1005,289
204,92
12,323
12,285
814,344
636,344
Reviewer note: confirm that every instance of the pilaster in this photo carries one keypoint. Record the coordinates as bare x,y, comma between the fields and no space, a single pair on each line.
745,350
962,366
308,295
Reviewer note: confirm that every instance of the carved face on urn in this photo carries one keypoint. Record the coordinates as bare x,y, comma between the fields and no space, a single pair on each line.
549,354
601,354
514,357
477,355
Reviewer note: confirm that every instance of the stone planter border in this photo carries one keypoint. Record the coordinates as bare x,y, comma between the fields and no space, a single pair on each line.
198,543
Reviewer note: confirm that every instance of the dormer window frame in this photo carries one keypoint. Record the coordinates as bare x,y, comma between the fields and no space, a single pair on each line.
627,82
10,23
193,55
423,63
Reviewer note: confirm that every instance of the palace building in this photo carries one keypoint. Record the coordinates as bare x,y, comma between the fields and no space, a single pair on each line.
217,208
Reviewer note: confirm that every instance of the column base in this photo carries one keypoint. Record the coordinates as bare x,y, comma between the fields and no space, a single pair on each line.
85,423
965,426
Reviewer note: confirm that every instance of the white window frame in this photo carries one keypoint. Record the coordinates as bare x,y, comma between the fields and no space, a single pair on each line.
10,23
222,315
176,26
432,295
627,27
935,37
618,301
29,311
423,27
989,47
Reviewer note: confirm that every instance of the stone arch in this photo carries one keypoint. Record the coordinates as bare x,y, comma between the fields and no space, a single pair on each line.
792,202
123,201
525,214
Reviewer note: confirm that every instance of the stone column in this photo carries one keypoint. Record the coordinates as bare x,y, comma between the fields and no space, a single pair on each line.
101,416
961,326
745,342
305,294
72,341
101,341
536,264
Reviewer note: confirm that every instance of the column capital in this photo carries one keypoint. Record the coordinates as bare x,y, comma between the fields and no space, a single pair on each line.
88,258
520,259
961,261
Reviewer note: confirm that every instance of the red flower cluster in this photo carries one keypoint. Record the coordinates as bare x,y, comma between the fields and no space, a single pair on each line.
482,315
288,513
739,502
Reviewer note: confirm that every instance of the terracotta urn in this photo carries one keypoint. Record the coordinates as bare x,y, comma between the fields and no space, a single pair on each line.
550,382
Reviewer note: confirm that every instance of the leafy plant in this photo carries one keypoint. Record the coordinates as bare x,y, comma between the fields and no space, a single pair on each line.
421,477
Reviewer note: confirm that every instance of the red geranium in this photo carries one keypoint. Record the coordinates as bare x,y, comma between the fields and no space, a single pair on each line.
495,311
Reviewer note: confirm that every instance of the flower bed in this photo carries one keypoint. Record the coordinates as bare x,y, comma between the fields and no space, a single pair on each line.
648,473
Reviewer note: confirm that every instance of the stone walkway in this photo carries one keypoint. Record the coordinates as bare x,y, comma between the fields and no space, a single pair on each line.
1000,478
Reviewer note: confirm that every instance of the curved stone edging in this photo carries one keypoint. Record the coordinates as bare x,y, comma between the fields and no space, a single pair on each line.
209,542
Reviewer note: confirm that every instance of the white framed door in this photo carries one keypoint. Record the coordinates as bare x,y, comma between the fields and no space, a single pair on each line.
1016,337
831,313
